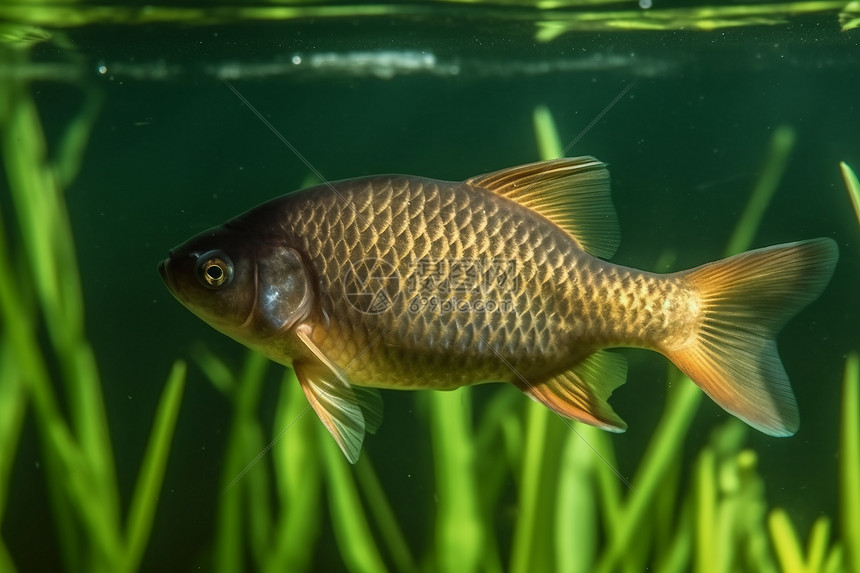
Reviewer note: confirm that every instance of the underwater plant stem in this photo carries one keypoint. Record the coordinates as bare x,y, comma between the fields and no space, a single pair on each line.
706,547
460,530
705,18
218,373
816,551
73,145
677,558
48,240
355,541
296,461
257,497
608,484
576,523
834,561
228,555
13,405
20,341
664,512
546,134
849,463
697,18
779,151
522,554
6,563
151,475
684,398
853,187
393,537
785,542
84,475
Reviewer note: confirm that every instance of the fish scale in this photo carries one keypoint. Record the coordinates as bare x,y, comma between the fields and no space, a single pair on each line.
409,282
427,206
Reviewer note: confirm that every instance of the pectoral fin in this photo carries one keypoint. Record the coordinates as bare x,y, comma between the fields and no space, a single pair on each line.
346,411
581,393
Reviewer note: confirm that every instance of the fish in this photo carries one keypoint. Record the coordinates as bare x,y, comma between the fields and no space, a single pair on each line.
407,282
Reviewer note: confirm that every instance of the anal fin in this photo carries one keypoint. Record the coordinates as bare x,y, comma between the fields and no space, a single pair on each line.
581,393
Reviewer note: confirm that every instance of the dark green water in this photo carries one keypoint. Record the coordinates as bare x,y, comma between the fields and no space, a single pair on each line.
175,151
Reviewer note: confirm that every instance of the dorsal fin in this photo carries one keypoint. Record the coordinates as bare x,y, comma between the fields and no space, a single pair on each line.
572,193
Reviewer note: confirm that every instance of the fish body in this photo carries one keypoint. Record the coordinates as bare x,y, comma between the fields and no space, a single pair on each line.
408,282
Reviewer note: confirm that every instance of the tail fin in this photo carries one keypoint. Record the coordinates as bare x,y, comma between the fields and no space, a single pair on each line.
745,301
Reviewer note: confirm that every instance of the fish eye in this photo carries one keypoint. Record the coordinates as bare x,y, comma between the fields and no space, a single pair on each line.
214,269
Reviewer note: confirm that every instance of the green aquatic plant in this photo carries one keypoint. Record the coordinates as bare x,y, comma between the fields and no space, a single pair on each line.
849,466
849,17
32,20
853,187
720,522
574,510
42,312
700,18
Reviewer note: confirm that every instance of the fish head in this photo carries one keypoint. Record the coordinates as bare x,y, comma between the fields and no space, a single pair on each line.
249,287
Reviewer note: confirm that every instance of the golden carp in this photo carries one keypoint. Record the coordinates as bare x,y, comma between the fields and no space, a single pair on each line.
406,282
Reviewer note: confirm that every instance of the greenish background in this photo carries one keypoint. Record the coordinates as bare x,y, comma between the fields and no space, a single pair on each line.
173,151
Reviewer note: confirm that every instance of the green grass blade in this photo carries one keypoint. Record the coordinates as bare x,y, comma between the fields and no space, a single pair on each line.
218,373
834,561
228,555
73,144
702,18
849,17
546,134
6,563
665,512
57,442
849,463
853,187
576,524
527,527
357,546
47,240
677,558
706,548
665,446
781,145
498,445
459,526
13,405
816,551
258,499
609,485
146,492
382,512
785,542
297,464
90,422
752,511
